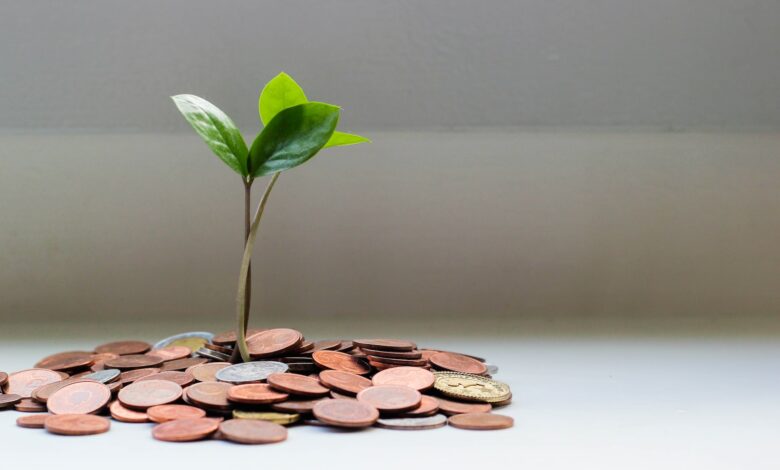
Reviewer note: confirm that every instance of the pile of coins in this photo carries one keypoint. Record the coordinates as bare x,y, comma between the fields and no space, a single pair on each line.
187,385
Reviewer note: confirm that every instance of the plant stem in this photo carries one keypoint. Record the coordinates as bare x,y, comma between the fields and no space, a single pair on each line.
247,222
241,308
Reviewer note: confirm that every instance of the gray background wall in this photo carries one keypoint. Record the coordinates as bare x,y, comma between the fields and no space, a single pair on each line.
523,166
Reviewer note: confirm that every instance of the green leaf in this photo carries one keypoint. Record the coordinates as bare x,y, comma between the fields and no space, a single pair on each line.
292,137
280,93
339,139
217,130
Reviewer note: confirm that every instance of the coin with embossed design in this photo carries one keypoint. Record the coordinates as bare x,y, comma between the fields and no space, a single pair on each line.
471,387
79,398
345,413
247,372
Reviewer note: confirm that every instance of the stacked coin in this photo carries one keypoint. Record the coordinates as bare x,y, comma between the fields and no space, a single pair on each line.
188,385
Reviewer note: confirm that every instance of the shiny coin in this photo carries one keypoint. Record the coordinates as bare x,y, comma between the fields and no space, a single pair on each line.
68,361
192,340
247,431
163,413
9,399
103,376
170,353
340,361
211,354
126,415
255,394
481,421
450,407
296,406
181,378
278,418
207,372
183,430
297,385
471,387
28,405
32,421
182,364
385,344
458,363
42,394
209,394
124,347
273,342
133,375
24,382
327,344
76,425
391,398
79,398
223,349
133,361
414,377
412,424
345,413
148,393
246,372
345,382
59,357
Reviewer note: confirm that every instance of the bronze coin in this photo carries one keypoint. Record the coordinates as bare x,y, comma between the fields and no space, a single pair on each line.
414,377
76,425
25,381
450,407
273,342
251,431
296,406
142,395
133,361
131,376
391,398
341,396
55,358
393,354
345,382
209,394
163,413
69,362
184,430
297,385
99,361
458,363
481,421
305,348
327,345
182,364
169,353
126,415
428,406
346,346
3,378
207,372
397,362
228,338
340,361
28,405
215,347
9,399
124,348
114,387
345,413
32,421
385,344
427,353
79,398
42,394
255,394
181,378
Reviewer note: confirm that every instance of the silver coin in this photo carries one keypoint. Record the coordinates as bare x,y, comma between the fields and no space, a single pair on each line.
491,369
192,334
103,376
412,424
246,372
211,354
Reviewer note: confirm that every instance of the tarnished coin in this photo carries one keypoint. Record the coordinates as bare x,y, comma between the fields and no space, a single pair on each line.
248,431
412,424
76,425
183,430
273,342
32,421
481,421
414,377
297,385
79,398
345,413
296,406
9,399
59,357
428,406
391,398
126,415
345,382
181,378
278,418
458,363
247,372
450,407
170,353
340,361
148,393
192,340
163,413
182,364
209,394
130,376
42,394
133,361
25,381
257,394
211,354
471,387
385,344
103,376
207,372
124,347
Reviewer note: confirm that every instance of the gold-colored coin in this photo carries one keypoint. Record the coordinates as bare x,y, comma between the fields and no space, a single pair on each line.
278,418
193,343
471,387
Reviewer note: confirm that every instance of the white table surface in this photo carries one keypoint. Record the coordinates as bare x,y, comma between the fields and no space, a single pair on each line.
578,403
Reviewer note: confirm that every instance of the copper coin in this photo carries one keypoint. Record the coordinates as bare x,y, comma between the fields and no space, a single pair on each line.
304,348
251,431
69,361
215,347
428,406
228,338
24,382
183,430
297,385
126,415
76,425
481,421
32,421
28,405
79,398
397,362
345,382
9,399
392,354
341,396
42,394
385,344
346,346
142,395
130,376
255,394
340,361
55,358
181,378
163,413
210,394
414,377
391,398
133,361
273,342
427,353
296,406
182,364
3,378
450,407
345,413
99,361
327,345
458,363
124,347
115,387
169,353
207,372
